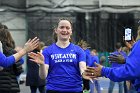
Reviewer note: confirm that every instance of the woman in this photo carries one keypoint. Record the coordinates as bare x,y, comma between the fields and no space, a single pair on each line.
29,46
33,79
8,75
62,63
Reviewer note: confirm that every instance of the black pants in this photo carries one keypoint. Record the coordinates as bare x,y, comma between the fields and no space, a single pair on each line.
125,87
53,91
85,84
41,89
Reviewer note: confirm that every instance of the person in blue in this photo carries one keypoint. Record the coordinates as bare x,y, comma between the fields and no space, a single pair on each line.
129,71
94,58
62,64
8,75
84,45
118,51
30,45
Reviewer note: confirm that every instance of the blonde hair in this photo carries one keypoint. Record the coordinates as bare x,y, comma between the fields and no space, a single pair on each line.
83,43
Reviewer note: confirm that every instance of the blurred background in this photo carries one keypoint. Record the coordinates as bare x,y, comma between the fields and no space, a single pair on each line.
99,22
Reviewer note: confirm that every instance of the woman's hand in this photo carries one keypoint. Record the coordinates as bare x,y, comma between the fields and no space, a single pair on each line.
36,57
31,44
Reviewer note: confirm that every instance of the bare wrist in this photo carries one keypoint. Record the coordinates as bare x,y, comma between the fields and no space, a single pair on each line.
22,52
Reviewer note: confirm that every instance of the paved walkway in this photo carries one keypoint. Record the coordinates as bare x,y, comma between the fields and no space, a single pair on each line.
104,83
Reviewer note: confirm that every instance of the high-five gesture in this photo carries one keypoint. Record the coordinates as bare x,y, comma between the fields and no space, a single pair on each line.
94,72
36,57
31,44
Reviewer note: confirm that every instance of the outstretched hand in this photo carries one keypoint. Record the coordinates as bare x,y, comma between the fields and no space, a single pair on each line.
93,72
36,57
116,58
31,44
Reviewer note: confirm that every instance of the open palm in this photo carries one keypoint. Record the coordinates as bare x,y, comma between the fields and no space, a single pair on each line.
36,57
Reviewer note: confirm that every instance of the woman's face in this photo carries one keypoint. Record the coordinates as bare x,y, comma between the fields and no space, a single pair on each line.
64,30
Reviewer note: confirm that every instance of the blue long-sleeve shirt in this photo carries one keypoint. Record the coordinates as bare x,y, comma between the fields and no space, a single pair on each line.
129,71
6,61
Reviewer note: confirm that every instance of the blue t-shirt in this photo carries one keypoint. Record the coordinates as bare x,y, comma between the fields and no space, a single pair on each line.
93,59
64,73
88,56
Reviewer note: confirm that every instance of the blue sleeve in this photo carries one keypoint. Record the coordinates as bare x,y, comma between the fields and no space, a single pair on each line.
6,61
46,55
128,71
21,60
81,54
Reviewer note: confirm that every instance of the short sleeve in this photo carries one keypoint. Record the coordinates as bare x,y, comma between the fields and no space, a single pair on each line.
46,56
81,54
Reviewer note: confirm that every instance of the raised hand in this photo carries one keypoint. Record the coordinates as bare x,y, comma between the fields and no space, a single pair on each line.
31,44
116,58
36,57
130,43
98,70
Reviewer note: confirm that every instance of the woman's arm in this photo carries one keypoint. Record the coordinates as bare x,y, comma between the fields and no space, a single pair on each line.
43,71
39,59
30,45
82,66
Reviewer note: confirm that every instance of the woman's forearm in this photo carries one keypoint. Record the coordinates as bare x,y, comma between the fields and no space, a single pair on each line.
19,54
82,66
43,71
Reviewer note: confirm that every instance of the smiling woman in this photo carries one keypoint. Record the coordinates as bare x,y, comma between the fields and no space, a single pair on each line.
62,62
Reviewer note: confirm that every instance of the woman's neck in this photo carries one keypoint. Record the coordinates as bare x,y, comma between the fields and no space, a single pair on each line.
62,44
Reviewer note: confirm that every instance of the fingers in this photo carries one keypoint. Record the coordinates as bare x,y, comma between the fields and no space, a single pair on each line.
113,57
31,44
39,53
32,55
112,54
34,42
36,57
96,64
90,71
28,40
33,60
